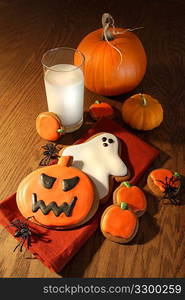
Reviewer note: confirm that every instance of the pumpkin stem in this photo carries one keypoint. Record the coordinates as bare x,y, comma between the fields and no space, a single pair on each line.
144,100
107,21
176,174
97,102
65,161
126,183
60,130
124,205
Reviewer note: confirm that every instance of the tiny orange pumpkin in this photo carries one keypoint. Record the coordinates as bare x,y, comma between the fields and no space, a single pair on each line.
164,183
118,223
49,127
132,195
100,109
142,112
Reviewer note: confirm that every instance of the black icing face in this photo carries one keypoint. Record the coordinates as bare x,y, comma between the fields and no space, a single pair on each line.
106,141
47,181
67,184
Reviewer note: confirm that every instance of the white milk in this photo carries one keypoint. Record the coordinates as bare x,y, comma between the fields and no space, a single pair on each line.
64,85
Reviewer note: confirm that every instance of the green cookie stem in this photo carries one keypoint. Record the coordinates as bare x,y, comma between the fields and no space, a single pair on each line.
60,130
124,205
176,174
127,184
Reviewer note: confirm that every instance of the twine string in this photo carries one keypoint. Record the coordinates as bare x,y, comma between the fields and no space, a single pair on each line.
107,22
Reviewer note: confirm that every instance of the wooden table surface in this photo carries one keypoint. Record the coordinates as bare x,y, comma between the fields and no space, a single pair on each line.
27,30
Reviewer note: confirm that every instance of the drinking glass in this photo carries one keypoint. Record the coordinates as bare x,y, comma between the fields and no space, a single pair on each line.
64,85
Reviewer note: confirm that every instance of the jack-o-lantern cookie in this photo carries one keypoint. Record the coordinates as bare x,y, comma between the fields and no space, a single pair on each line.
99,158
118,223
164,183
132,195
49,127
100,109
57,196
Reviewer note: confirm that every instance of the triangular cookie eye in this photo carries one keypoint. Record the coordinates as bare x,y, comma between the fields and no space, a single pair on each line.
69,184
47,181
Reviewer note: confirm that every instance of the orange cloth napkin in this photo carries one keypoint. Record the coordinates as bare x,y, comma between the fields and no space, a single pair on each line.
55,248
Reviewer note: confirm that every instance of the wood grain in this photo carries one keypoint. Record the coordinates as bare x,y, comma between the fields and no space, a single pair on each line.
27,30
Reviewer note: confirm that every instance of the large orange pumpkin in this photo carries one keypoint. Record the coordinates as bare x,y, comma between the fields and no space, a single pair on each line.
57,195
109,71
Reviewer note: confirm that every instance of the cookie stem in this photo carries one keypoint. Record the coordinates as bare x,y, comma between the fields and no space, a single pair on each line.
127,184
60,130
176,174
123,205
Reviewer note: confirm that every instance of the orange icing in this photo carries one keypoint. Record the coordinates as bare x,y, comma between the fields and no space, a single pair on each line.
32,184
133,196
160,174
47,126
98,110
119,222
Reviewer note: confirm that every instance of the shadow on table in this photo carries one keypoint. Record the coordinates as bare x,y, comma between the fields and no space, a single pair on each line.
157,164
148,226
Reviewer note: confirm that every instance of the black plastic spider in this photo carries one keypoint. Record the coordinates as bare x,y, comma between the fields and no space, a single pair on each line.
22,232
50,153
170,191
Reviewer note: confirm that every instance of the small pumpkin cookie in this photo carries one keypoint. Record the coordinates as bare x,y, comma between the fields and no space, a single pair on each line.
100,109
119,223
49,127
164,183
132,195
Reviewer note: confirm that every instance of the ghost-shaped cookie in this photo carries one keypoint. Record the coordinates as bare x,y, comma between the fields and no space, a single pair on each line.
99,158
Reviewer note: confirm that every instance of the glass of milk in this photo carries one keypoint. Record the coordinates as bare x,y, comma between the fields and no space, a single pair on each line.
64,85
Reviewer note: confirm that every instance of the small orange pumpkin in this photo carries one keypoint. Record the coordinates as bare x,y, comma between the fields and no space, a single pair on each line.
142,112
54,196
132,195
49,126
118,223
100,109
115,60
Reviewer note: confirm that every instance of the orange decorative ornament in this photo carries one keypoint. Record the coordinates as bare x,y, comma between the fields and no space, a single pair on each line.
57,196
132,195
100,109
115,60
142,112
118,223
49,127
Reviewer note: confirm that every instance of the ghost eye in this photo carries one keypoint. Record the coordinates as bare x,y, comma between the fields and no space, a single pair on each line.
104,139
47,181
69,184
110,141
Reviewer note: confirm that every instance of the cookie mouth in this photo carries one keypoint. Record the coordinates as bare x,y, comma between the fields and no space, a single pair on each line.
65,207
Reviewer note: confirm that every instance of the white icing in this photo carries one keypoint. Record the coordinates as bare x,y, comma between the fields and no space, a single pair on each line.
98,161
